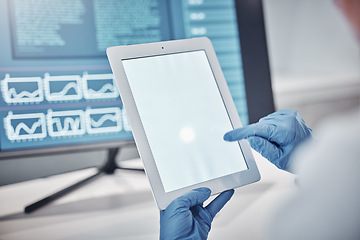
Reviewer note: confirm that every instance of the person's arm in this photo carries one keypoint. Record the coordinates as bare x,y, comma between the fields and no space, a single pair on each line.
187,218
275,136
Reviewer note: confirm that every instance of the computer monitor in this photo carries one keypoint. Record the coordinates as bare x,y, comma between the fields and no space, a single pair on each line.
58,93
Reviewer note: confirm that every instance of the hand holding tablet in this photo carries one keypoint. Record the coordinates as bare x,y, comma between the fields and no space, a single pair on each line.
179,108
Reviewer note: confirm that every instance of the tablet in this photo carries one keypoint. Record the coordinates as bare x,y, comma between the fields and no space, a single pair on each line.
179,107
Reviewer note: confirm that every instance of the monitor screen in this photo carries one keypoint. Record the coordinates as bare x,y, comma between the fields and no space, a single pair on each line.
57,88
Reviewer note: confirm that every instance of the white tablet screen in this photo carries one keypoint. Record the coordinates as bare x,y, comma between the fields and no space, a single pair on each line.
184,118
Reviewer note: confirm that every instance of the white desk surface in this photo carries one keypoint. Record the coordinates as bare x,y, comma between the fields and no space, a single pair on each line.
121,206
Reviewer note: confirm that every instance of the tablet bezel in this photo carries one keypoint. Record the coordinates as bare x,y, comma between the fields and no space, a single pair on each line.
119,53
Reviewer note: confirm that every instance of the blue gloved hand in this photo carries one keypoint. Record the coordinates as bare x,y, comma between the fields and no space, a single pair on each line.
275,136
186,218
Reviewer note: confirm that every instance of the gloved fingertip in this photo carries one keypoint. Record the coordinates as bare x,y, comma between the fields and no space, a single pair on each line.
230,192
228,137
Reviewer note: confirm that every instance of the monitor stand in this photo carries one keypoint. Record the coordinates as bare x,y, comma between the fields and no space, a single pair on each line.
108,168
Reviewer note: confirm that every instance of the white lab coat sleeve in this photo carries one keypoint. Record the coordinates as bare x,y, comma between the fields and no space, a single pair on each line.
326,204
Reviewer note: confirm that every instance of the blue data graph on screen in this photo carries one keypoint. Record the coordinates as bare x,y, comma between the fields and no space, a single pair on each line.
66,123
100,86
22,90
62,88
103,120
28,129
57,87
25,126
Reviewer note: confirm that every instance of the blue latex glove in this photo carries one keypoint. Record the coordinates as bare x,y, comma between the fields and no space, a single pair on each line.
275,136
186,218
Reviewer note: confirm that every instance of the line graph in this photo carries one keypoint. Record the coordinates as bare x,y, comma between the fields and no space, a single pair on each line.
22,90
24,94
25,126
62,88
65,123
103,120
99,86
